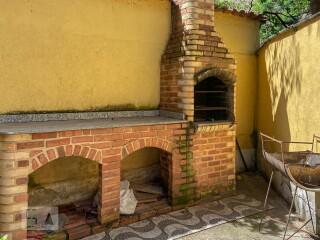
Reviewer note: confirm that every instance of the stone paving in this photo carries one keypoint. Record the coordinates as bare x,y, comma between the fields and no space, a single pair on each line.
243,224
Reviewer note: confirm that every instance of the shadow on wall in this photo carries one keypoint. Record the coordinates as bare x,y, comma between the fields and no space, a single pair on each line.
283,80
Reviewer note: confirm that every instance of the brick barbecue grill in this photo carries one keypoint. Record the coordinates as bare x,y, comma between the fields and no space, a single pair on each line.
195,128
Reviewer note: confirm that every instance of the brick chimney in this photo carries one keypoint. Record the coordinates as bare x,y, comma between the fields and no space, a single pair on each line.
195,51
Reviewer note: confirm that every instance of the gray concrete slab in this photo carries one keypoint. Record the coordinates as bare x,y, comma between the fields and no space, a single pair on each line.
55,126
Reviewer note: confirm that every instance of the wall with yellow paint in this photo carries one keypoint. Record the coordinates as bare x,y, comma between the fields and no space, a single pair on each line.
288,95
241,36
288,87
81,55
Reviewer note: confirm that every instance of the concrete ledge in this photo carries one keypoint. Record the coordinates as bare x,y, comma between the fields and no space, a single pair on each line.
175,115
57,126
20,118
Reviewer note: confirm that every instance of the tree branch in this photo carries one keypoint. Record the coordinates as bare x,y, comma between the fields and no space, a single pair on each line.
277,16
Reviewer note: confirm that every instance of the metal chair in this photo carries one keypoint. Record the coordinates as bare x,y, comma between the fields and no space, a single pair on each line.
299,167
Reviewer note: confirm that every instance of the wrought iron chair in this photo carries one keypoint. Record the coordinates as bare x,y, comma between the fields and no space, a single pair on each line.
301,168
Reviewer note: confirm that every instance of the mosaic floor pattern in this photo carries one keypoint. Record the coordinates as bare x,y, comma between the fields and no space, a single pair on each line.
186,221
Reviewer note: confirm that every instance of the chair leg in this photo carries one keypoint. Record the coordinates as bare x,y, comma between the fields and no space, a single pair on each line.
266,199
290,211
314,230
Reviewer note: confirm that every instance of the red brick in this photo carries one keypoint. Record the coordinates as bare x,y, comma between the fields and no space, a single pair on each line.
126,220
70,133
122,130
174,126
140,128
79,232
23,163
165,133
51,154
129,148
221,134
154,142
35,165
92,153
214,163
42,159
111,159
100,145
21,198
21,234
106,210
98,157
124,153
58,142
35,153
227,150
18,217
44,135
145,212
160,143
179,131
119,143
86,132
22,181
148,134
29,145
113,151
84,152
220,145
219,157
111,166
227,139
158,127
111,173
82,139
220,168
112,202
111,195
110,180
133,135
103,138
76,150
136,145
101,131
61,152
69,150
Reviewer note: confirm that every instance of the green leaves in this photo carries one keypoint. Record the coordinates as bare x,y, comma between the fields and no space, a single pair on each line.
5,237
280,13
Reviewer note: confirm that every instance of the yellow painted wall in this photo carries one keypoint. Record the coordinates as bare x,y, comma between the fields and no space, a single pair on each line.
241,36
81,54
288,87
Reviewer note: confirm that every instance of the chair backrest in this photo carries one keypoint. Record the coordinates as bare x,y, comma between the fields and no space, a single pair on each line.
315,142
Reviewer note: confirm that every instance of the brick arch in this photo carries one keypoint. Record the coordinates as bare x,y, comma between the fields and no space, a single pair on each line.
47,155
224,75
146,142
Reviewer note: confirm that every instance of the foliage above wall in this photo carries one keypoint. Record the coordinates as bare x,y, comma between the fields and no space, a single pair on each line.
280,13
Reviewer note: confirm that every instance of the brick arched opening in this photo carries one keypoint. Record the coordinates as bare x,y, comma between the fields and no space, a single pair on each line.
47,155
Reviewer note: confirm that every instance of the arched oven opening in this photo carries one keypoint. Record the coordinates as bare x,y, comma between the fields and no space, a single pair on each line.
213,101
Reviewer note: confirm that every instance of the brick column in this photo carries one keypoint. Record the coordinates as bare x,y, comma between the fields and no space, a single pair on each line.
109,186
14,170
194,46
214,159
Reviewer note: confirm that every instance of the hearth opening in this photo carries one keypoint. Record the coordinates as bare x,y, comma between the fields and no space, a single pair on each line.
213,100
147,173
69,185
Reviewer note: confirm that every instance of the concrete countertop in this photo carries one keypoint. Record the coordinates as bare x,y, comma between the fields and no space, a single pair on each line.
55,126
54,122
